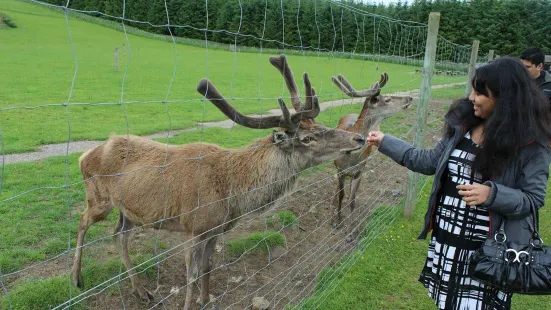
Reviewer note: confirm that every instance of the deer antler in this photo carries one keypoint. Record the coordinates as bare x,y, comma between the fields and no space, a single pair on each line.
348,89
311,100
281,64
286,120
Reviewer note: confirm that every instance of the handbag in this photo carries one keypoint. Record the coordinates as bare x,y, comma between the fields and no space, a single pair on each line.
513,267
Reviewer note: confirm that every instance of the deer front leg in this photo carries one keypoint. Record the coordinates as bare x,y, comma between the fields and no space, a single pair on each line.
337,200
354,185
122,240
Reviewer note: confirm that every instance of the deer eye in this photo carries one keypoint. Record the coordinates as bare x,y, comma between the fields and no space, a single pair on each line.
307,139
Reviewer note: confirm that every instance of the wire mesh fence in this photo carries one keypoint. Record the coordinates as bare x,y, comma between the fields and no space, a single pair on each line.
262,202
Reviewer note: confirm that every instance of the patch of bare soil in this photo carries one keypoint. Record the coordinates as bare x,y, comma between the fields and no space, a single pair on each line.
284,275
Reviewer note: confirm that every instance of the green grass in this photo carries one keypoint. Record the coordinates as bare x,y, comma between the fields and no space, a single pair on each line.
256,242
95,273
37,225
254,49
454,92
230,138
286,218
41,294
39,69
281,219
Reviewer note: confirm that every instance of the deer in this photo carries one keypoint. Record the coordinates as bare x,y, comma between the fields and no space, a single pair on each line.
202,189
374,110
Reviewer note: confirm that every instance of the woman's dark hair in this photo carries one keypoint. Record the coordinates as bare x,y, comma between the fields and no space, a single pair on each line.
461,110
521,114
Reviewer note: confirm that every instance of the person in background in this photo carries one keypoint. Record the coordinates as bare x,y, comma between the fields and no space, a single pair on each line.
491,163
533,59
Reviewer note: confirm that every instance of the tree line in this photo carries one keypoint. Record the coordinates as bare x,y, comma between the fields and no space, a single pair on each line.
505,26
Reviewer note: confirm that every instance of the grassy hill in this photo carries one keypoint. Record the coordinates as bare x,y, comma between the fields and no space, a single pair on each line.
49,62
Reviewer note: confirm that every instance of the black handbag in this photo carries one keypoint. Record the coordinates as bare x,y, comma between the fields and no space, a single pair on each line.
512,267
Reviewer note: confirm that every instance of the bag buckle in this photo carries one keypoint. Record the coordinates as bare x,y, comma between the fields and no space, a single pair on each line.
536,243
520,256
502,236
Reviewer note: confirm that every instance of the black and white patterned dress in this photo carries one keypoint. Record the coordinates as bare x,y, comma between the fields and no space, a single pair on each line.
458,231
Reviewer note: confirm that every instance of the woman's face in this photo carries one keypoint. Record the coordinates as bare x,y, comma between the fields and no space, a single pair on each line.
483,106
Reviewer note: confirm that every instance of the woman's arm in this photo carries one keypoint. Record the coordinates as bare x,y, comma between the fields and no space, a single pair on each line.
530,188
423,161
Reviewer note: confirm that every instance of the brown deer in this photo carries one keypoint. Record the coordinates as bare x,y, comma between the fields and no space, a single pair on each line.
201,189
375,109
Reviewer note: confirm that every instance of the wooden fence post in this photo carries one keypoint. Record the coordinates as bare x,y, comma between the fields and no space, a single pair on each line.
116,59
491,55
424,98
472,67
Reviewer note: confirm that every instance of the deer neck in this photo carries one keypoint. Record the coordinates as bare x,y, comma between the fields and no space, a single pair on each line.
261,174
367,122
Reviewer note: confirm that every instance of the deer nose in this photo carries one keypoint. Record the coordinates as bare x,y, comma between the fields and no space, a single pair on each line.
359,138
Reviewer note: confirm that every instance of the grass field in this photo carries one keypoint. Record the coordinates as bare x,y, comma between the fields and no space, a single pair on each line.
40,215
39,67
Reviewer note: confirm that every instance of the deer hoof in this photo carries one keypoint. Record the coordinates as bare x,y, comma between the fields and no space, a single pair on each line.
77,281
205,304
144,294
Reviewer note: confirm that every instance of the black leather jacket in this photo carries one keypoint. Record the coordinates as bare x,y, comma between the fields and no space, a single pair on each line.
544,83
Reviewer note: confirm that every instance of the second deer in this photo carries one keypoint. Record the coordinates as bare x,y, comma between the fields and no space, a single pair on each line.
375,109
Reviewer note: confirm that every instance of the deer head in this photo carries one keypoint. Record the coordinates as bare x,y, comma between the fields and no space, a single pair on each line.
375,104
297,132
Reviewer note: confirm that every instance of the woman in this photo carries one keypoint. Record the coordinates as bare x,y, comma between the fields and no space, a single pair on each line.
492,163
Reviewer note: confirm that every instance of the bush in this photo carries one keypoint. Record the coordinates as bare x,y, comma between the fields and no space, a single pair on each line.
287,218
256,242
7,21
282,218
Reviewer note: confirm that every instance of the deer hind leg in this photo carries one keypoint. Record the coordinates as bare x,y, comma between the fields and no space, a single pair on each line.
96,210
205,267
123,235
337,199
189,249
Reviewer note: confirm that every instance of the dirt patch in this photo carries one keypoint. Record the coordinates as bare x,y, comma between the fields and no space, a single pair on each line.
284,276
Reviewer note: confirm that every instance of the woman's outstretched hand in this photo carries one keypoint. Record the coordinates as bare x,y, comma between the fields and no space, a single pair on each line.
474,194
375,138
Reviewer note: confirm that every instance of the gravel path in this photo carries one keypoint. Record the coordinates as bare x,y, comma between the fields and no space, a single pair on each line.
60,149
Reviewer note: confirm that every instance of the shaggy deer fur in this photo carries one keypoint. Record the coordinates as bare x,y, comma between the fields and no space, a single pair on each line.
375,108
201,189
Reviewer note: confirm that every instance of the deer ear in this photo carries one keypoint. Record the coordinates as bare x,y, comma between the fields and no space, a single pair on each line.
279,136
